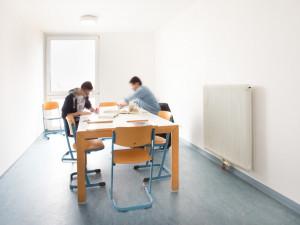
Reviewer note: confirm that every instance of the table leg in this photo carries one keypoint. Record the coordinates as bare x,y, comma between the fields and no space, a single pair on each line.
81,169
175,160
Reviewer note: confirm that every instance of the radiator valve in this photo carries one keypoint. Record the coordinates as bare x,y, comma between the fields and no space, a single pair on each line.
224,164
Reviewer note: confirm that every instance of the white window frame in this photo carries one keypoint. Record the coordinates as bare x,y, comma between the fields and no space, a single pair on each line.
62,94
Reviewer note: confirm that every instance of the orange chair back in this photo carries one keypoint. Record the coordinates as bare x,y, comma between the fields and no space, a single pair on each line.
50,105
133,136
107,104
165,115
71,121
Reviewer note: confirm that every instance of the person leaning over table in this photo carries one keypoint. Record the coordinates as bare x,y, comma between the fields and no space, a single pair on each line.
76,101
142,96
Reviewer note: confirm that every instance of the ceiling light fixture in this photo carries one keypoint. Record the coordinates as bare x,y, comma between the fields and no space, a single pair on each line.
88,20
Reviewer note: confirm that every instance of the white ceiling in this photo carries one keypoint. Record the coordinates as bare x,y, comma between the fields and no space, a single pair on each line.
114,16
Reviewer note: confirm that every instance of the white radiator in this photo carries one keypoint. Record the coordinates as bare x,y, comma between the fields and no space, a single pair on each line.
228,123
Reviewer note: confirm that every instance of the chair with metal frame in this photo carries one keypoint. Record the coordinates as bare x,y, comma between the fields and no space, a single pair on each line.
134,138
48,108
160,143
91,146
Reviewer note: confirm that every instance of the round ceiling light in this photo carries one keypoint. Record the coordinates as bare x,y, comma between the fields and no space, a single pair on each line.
88,20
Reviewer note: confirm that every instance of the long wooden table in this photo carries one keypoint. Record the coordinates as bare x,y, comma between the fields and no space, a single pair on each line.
105,130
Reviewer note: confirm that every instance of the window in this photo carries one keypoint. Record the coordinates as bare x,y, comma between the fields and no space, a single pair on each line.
71,60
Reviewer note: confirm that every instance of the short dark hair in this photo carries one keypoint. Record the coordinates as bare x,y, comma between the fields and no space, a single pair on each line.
134,80
87,86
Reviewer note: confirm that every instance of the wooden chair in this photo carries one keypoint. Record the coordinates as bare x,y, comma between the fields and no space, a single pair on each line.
160,143
92,145
107,104
49,108
133,138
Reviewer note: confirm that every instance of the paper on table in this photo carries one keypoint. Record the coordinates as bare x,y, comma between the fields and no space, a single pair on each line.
108,115
124,111
95,126
102,118
108,112
138,123
121,111
100,121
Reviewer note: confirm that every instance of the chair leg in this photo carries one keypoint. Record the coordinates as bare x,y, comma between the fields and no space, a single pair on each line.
87,181
144,166
64,158
162,167
147,163
45,136
151,174
127,208
112,178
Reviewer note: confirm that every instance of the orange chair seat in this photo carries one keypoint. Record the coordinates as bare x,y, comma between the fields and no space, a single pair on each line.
132,155
159,140
92,144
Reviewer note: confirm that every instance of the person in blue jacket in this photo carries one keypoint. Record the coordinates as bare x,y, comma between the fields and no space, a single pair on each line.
142,96
77,101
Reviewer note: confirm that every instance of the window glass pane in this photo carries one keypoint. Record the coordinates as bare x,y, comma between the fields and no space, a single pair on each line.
72,63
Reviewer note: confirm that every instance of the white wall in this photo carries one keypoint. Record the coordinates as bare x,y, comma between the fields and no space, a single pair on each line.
239,42
21,76
123,56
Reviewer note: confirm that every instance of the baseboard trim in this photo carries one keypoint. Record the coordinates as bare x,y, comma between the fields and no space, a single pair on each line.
270,192
12,165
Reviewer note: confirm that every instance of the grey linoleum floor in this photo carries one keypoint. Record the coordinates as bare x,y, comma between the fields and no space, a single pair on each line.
36,191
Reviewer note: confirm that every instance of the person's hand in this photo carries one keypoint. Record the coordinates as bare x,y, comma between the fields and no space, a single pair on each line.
85,113
122,104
